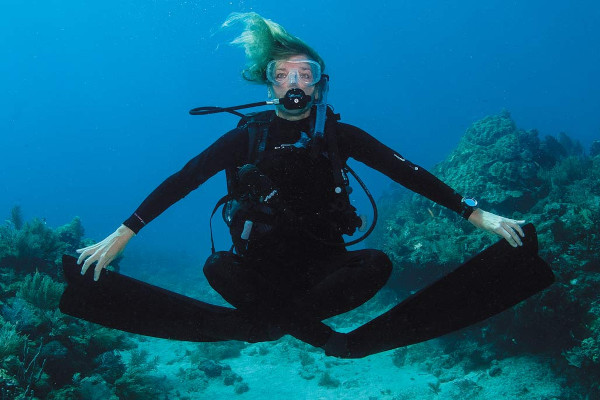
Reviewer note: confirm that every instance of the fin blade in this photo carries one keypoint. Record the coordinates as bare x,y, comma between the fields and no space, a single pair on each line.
494,280
121,302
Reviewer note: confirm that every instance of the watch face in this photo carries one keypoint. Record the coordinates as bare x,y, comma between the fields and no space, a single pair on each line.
470,202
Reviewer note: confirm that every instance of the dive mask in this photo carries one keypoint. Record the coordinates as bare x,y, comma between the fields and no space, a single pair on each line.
300,72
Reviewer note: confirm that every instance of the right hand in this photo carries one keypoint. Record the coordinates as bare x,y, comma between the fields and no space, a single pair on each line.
509,229
105,251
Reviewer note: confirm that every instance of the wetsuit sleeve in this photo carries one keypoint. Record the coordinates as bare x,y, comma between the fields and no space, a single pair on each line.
363,147
226,152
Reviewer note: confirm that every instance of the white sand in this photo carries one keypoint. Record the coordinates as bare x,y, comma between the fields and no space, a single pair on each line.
280,374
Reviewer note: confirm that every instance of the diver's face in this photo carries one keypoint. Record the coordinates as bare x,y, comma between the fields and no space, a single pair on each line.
292,74
293,77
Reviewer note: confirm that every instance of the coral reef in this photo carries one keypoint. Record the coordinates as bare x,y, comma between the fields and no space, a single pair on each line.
550,182
43,353
27,247
40,291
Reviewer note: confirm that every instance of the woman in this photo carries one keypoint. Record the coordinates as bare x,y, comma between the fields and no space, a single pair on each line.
292,270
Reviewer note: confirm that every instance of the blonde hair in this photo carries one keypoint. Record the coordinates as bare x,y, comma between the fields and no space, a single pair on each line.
264,41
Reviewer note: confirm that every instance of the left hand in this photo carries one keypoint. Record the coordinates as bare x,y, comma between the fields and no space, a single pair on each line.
509,229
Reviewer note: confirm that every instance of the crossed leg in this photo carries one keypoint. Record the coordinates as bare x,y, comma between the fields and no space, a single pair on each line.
331,287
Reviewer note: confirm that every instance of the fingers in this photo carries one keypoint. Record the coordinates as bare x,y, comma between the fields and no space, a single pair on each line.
89,261
518,228
512,233
102,259
86,252
94,254
102,263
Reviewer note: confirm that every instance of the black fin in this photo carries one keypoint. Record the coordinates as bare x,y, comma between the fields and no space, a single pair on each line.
494,280
120,302
491,282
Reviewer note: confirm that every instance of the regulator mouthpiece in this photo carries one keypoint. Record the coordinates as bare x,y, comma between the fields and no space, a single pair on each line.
295,99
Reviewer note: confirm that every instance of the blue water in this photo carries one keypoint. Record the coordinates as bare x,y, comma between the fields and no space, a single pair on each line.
93,111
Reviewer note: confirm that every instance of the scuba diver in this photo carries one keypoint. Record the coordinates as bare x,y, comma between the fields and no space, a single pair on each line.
287,207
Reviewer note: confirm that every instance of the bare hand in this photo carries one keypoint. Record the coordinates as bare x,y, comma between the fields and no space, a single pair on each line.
509,229
104,252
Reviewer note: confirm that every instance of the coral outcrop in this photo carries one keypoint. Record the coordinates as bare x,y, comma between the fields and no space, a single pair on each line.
45,354
550,182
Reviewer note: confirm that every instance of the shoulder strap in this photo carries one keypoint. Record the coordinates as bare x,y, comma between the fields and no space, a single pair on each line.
333,152
258,129
257,125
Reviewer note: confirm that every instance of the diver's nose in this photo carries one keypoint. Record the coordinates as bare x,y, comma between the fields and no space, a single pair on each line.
293,78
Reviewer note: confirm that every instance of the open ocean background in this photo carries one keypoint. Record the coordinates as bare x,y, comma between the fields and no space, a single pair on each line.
93,111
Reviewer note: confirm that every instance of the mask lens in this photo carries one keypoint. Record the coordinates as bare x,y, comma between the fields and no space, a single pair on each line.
301,72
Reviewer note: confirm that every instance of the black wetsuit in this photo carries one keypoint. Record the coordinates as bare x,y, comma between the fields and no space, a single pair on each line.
288,273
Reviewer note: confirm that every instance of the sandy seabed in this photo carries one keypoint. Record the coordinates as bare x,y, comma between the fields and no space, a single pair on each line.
291,370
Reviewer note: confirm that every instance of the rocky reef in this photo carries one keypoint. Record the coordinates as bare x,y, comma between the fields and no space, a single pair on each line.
551,182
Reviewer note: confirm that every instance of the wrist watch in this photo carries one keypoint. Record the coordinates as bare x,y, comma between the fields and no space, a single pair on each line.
468,205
